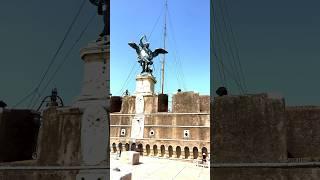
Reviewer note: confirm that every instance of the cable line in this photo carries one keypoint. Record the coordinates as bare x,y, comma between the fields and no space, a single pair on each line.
237,83
235,45
60,46
179,64
24,99
227,53
223,46
127,79
154,26
221,70
66,57
229,43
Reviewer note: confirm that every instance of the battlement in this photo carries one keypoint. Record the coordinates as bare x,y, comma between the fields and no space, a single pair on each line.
258,137
183,133
182,102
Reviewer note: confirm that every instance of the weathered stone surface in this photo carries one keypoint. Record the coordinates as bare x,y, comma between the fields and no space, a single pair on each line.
37,175
121,175
18,134
303,173
190,113
303,132
248,174
130,157
168,130
121,120
150,104
93,174
205,104
186,102
279,173
145,84
59,142
249,129
128,105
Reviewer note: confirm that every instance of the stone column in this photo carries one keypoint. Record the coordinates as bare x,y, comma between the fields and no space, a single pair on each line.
94,102
94,105
96,81
144,87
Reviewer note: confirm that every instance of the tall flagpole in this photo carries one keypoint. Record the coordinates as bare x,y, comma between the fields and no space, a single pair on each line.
164,44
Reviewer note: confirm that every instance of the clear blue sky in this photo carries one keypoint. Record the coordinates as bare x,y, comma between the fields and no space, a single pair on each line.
188,43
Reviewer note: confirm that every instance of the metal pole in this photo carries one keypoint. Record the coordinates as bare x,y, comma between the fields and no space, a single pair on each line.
164,44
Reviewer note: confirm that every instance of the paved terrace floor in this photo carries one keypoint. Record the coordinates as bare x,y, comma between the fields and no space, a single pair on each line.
152,168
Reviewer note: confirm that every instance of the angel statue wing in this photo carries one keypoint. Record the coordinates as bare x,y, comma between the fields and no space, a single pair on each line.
135,46
158,51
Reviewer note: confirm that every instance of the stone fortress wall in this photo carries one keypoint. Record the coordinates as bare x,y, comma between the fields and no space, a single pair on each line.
258,137
164,132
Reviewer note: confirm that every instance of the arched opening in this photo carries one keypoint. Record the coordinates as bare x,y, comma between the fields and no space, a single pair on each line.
140,149
148,149
178,151
127,146
204,150
155,150
195,153
120,146
170,149
163,150
186,152
114,147
133,147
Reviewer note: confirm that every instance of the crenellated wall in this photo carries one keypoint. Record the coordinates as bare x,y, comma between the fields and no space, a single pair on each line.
249,129
303,132
60,137
264,139
164,131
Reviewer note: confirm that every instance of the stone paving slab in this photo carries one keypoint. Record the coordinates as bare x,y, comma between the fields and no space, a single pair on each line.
152,168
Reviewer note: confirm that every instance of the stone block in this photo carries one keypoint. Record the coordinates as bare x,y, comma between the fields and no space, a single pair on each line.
123,174
130,157
150,104
250,128
205,104
303,131
145,84
128,105
186,102
59,139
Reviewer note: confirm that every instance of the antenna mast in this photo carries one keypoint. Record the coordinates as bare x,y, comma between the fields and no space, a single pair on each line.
164,44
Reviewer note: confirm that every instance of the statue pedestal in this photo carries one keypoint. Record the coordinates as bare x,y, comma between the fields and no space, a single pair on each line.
94,102
96,82
145,84
144,87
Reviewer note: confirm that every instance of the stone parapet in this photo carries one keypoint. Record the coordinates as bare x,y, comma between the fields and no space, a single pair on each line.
249,128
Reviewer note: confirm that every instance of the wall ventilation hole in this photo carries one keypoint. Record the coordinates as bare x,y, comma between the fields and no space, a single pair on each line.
151,133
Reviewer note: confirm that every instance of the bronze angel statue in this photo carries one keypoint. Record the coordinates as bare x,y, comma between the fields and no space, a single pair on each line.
104,10
145,55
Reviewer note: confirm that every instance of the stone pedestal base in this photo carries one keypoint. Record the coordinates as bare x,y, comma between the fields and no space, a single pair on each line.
96,85
145,84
